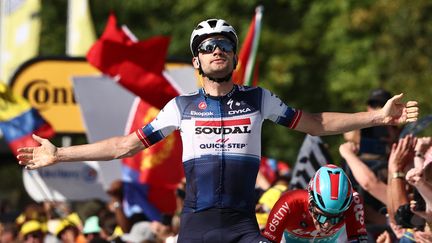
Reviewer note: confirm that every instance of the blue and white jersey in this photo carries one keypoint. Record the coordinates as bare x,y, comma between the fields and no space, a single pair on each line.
221,142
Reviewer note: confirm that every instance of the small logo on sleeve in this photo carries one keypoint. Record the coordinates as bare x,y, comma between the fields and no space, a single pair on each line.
202,105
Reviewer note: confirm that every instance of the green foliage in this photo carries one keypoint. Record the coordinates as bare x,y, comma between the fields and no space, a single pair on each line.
316,55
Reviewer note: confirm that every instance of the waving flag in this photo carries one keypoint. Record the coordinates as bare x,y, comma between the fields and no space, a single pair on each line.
137,65
246,72
20,31
151,177
312,155
18,121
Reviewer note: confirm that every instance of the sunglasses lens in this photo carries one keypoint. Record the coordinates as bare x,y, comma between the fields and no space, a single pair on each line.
321,218
336,220
209,46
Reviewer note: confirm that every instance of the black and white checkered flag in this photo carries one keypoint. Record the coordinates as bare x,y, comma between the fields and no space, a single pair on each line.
312,155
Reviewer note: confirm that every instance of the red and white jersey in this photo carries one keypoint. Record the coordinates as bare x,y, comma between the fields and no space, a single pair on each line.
291,221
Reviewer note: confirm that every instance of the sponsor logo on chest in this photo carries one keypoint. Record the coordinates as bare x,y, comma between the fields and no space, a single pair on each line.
223,127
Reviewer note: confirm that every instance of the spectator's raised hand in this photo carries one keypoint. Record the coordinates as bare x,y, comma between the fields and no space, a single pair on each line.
36,157
348,148
423,237
396,112
415,176
402,153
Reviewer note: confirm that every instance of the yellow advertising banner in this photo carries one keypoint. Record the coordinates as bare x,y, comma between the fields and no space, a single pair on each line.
47,85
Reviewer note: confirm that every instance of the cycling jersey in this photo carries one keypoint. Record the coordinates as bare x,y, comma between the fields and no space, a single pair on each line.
290,217
221,143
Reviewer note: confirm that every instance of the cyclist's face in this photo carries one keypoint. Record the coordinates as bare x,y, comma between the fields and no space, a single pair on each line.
323,221
216,56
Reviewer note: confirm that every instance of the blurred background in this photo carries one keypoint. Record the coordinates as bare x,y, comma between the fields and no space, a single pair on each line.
315,55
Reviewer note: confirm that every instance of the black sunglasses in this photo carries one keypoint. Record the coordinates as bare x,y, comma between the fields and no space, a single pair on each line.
210,45
322,217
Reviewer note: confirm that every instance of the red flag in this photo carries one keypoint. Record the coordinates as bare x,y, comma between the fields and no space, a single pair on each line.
157,170
246,72
137,65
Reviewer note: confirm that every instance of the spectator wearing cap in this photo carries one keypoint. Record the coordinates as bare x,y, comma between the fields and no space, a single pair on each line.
91,228
378,98
32,211
269,198
32,232
68,231
141,232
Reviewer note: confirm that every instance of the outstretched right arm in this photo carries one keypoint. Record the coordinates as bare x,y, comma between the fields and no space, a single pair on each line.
108,149
112,148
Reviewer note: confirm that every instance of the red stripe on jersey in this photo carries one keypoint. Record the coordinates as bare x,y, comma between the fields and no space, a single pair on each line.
334,181
142,137
245,121
296,119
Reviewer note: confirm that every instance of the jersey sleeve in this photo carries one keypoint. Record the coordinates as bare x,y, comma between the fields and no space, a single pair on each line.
277,111
355,221
164,124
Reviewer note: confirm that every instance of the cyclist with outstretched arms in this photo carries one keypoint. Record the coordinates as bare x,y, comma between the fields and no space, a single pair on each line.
220,125
328,211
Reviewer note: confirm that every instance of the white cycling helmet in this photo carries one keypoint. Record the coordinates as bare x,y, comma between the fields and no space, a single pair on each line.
212,27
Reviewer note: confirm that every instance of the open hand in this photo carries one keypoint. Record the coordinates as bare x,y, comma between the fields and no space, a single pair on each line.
36,157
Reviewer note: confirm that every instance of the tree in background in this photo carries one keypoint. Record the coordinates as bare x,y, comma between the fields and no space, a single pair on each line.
318,55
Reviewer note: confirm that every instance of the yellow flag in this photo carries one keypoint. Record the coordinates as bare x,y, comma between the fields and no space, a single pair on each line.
11,105
20,32
80,31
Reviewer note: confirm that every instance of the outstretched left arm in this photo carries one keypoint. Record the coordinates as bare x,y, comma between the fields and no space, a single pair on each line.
394,112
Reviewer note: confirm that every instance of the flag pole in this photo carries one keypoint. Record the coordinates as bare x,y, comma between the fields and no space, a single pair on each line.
2,36
251,62
41,186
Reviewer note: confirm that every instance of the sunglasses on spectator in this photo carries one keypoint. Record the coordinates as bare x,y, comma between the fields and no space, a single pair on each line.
323,217
210,45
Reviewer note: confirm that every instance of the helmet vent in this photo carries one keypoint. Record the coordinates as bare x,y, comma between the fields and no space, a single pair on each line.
212,22
346,202
321,200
